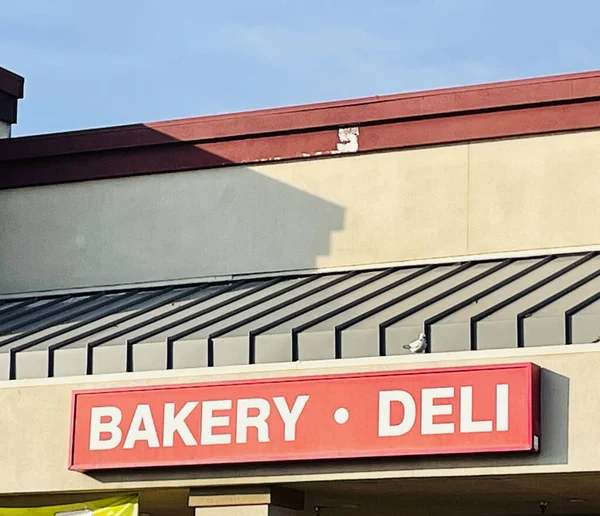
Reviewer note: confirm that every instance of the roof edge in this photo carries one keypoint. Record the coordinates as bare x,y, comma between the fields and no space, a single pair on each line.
530,254
11,83
513,94
531,107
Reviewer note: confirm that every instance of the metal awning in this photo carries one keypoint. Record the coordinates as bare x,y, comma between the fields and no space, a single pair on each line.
517,302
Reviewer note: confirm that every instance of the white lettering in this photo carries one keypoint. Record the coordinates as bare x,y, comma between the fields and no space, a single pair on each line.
210,421
258,421
107,431
99,427
175,423
290,416
502,407
142,428
429,410
386,398
467,425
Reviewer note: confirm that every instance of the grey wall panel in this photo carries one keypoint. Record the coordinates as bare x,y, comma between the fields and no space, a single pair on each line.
497,334
150,356
544,331
109,359
190,353
274,348
586,326
231,351
70,362
453,336
360,342
317,345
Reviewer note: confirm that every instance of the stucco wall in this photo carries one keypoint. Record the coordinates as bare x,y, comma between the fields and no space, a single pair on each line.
449,201
34,427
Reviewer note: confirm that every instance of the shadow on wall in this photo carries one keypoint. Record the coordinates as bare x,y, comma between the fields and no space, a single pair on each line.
555,397
554,450
157,227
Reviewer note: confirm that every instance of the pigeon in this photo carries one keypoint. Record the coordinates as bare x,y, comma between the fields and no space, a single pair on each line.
418,346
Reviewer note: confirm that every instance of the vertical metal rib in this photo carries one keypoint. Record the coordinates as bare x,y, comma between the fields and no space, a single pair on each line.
211,295
13,305
92,331
76,309
348,306
322,302
195,315
166,327
211,358
442,295
34,315
480,295
398,299
542,304
268,311
153,306
526,291
575,310
23,347
16,307
124,331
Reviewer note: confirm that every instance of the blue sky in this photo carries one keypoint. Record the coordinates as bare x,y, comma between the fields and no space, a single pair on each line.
92,64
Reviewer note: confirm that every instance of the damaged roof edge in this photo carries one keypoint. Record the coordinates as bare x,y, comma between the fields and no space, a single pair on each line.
452,115
490,96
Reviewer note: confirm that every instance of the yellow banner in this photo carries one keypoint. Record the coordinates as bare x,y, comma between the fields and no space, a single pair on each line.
117,506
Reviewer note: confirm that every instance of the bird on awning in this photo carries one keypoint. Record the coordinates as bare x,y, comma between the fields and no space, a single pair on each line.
417,346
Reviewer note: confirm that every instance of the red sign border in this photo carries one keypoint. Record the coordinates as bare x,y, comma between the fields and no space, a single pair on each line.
533,410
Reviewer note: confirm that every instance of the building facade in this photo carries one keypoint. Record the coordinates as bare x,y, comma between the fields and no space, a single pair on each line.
277,264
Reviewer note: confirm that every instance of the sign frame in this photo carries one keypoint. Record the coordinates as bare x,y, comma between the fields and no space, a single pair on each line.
532,410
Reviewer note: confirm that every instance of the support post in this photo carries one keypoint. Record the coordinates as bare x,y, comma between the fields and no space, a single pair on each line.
246,501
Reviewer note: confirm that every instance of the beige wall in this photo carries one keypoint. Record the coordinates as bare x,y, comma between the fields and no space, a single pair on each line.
534,193
34,428
472,199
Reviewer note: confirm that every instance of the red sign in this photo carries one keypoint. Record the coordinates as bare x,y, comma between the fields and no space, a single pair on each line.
439,411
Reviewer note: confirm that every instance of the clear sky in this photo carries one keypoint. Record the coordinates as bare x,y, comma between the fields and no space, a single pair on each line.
97,63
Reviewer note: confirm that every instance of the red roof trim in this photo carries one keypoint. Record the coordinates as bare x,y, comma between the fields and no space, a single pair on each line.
515,108
397,135
11,83
298,118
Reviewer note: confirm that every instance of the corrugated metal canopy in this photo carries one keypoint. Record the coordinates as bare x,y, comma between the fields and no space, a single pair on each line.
547,300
